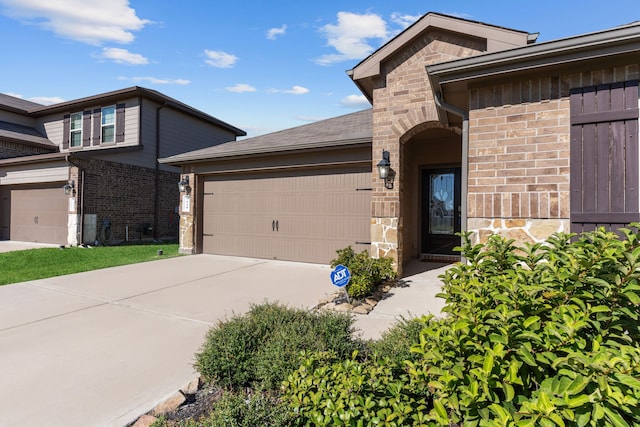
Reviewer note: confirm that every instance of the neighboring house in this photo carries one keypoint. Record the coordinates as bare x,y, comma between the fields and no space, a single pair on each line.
70,169
486,131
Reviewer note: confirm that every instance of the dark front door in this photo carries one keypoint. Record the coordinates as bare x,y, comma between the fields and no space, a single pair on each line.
440,210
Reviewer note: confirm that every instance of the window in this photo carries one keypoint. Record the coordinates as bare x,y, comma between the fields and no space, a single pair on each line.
76,130
108,124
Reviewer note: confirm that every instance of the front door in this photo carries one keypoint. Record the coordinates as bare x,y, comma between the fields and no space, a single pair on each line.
440,211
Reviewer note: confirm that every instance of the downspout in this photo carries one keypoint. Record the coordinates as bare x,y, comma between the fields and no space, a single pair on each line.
464,173
156,197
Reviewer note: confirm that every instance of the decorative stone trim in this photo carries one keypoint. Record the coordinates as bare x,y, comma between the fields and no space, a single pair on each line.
520,229
384,238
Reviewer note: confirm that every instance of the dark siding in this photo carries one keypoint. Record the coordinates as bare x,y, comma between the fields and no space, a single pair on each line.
120,123
66,128
86,128
97,126
604,156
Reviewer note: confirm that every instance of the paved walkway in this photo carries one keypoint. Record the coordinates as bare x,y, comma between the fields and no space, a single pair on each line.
102,347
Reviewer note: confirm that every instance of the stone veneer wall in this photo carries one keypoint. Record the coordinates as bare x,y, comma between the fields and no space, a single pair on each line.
519,153
402,105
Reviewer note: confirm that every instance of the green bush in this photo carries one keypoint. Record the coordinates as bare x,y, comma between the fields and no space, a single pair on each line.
395,343
262,347
327,390
544,335
367,273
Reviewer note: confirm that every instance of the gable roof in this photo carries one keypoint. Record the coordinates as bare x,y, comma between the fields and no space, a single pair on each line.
349,129
37,110
24,135
497,38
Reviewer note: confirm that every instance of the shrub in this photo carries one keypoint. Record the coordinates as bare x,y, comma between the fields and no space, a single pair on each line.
395,343
327,390
262,347
543,335
367,273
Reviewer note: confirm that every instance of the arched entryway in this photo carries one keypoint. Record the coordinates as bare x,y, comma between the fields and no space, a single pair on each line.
431,191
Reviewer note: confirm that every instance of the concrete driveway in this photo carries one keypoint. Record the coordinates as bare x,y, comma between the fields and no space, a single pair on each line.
103,347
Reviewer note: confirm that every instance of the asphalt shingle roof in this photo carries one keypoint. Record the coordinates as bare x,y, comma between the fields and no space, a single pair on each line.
17,103
24,134
343,130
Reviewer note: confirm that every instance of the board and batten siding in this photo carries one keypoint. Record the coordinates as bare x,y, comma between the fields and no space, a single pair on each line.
35,173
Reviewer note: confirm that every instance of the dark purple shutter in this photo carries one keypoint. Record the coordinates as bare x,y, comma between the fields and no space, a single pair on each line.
119,123
66,130
97,126
604,156
86,128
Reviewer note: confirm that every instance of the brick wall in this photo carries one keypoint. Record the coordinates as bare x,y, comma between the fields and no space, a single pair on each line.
519,153
403,106
124,194
10,149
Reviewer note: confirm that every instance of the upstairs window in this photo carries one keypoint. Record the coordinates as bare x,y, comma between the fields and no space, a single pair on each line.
108,124
76,130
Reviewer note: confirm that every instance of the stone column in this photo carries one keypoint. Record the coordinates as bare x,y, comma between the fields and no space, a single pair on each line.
187,217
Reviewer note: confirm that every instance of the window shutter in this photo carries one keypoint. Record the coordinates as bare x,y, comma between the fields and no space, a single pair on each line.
66,129
119,123
604,156
97,126
86,128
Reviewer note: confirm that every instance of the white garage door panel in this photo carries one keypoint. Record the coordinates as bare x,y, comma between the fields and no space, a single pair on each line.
287,216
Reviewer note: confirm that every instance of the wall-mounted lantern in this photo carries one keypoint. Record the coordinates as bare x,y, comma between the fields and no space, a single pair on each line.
183,185
69,188
384,170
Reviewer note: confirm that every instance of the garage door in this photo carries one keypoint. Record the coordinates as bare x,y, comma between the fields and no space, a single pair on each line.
34,213
288,215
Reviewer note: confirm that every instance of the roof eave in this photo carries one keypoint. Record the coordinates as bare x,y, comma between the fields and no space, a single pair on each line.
590,46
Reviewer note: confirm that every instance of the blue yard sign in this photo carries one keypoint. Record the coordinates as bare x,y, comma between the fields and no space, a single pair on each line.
340,276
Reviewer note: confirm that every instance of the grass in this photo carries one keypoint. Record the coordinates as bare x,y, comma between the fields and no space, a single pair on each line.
21,266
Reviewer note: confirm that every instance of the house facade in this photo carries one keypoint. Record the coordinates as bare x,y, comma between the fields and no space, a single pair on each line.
485,131
86,170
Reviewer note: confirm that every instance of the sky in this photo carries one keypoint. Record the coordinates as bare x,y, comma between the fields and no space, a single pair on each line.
260,65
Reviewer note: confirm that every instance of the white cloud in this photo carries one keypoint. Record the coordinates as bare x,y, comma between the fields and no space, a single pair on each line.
275,32
296,90
87,21
404,20
123,56
241,88
44,100
355,101
220,59
350,36
157,81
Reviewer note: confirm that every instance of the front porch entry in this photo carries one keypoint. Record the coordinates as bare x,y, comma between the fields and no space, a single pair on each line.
441,211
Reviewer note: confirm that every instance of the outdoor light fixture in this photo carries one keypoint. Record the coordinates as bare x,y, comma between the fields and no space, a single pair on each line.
183,185
384,170
69,188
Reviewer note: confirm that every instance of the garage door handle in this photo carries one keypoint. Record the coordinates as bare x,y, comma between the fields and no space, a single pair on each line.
273,225
277,225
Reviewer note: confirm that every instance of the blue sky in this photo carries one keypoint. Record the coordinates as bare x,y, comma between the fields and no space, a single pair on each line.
259,65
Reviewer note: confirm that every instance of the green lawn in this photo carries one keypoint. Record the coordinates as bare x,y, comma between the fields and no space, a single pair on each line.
20,266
